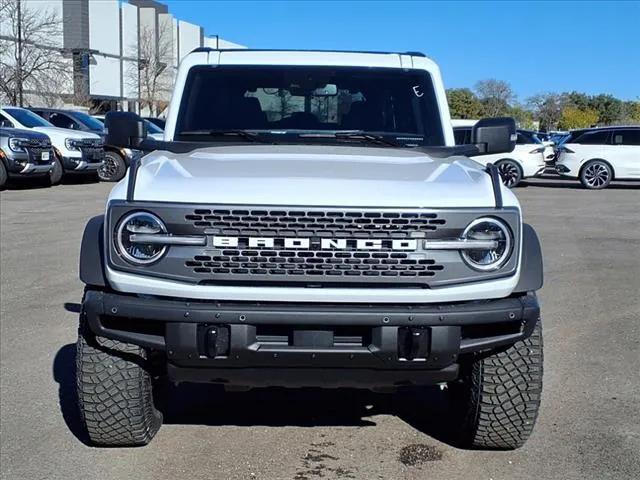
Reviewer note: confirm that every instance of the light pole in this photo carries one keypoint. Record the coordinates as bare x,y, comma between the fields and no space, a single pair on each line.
19,62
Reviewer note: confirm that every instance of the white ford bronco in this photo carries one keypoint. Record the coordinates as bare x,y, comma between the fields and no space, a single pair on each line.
307,221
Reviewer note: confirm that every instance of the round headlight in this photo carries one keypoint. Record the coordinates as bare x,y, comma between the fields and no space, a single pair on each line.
17,144
133,249
492,230
71,144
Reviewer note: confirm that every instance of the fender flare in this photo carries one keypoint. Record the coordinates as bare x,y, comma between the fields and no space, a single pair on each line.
91,253
531,267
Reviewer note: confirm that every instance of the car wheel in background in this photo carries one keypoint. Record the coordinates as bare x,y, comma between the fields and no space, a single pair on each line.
510,172
55,175
3,176
113,167
596,175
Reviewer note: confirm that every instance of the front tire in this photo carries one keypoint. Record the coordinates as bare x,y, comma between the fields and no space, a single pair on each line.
510,172
113,167
114,391
596,175
55,175
500,395
4,177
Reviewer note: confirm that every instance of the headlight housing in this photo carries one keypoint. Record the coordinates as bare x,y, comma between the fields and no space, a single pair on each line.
138,252
71,144
17,144
492,229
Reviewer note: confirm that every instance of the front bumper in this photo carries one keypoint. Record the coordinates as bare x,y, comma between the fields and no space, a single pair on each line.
302,344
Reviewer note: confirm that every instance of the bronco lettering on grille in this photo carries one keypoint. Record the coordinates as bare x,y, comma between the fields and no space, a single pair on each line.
321,243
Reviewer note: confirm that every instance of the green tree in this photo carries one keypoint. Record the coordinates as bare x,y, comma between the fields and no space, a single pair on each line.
463,103
632,112
496,96
610,109
522,116
577,99
574,117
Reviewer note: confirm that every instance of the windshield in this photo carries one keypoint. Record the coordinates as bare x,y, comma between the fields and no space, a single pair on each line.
89,122
27,118
288,101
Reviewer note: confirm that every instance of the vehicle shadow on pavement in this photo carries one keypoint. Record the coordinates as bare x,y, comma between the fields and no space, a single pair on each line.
575,185
424,409
64,373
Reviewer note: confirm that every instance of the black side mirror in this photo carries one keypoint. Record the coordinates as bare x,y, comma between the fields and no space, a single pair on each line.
494,135
124,129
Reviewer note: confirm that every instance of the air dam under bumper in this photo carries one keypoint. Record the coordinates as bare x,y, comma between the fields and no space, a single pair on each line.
296,345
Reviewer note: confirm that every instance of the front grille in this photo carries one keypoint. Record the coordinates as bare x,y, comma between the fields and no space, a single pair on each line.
232,255
346,264
316,223
36,154
92,154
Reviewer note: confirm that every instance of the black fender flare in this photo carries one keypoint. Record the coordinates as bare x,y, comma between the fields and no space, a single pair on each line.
531,267
92,254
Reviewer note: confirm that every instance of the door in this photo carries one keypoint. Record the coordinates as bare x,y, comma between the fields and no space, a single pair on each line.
625,152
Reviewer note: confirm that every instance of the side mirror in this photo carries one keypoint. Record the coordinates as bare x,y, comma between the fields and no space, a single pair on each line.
494,135
124,129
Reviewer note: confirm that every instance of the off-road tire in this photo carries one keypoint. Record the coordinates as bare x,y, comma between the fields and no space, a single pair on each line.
501,395
3,176
56,173
114,391
113,168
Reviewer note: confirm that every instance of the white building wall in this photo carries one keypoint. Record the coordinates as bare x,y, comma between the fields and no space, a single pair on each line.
190,36
104,76
104,26
129,51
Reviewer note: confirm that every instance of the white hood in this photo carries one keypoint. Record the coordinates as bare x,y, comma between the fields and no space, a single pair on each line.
313,176
56,132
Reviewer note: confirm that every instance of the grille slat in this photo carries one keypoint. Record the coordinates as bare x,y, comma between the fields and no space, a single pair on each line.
315,223
289,262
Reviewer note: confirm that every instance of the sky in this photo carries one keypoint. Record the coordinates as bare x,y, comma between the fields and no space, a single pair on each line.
537,47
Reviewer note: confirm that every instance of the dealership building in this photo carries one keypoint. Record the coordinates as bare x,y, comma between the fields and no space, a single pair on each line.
112,51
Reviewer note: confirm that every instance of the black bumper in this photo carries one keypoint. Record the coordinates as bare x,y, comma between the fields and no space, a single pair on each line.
311,344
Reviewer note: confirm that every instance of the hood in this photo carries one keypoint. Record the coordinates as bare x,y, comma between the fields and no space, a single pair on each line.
313,175
22,133
65,133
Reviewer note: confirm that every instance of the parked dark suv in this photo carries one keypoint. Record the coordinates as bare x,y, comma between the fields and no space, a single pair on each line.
116,160
24,153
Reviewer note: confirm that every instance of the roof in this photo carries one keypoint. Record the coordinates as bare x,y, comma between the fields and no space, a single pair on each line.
372,52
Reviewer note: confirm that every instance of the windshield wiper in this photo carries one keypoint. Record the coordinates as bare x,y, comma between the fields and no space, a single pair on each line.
354,135
253,137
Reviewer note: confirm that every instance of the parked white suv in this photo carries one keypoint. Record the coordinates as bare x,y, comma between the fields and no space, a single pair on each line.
528,158
600,155
308,221
74,151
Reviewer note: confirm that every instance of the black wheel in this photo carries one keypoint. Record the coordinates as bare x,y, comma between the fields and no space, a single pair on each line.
55,175
500,395
596,175
510,172
3,175
113,167
114,391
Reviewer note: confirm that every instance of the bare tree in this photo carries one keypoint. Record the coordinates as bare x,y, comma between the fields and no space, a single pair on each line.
496,96
29,59
547,108
152,76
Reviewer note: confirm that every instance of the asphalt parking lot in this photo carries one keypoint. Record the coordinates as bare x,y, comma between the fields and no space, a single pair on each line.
589,425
